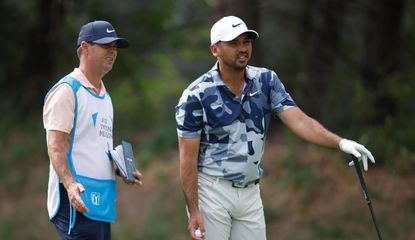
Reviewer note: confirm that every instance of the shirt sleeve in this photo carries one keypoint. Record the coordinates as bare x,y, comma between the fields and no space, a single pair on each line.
280,99
59,109
189,116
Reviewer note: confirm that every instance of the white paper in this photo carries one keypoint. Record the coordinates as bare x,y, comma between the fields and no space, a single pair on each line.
117,156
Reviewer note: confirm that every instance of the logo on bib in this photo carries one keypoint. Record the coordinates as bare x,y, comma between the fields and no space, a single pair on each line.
95,198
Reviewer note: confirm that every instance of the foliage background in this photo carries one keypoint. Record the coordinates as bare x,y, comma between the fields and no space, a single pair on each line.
348,64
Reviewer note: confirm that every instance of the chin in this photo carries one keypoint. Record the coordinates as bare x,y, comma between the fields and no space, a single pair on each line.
108,68
241,66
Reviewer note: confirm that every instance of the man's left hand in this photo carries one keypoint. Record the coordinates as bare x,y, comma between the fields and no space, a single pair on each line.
357,150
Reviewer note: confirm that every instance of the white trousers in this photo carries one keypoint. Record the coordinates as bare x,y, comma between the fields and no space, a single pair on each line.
230,213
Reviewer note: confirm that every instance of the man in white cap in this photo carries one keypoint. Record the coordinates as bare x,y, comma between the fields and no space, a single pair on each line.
78,118
222,120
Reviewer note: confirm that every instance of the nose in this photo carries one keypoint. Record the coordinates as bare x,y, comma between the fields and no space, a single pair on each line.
112,49
242,47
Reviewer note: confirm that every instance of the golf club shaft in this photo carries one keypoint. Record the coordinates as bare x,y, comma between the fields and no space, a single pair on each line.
366,194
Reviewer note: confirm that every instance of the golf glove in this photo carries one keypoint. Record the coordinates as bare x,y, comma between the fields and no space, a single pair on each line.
357,150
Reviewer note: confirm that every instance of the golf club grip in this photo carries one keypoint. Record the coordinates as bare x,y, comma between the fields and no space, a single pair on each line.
361,179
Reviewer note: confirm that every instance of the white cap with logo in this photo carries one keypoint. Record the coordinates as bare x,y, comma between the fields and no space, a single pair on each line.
228,28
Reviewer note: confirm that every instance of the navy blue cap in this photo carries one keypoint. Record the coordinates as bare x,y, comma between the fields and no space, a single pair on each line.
100,32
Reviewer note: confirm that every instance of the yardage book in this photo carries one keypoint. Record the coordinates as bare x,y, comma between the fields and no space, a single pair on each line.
123,157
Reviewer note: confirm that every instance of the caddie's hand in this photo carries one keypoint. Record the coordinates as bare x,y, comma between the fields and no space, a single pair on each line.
74,194
357,150
138,178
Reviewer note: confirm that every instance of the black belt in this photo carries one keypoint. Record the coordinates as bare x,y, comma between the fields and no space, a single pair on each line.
236,185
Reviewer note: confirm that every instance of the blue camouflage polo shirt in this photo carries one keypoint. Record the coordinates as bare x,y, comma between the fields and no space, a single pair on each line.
232,129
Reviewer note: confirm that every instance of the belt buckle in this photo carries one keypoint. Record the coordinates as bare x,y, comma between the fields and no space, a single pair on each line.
235,185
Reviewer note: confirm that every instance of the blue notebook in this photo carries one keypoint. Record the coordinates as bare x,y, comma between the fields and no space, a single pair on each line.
129,160
123,157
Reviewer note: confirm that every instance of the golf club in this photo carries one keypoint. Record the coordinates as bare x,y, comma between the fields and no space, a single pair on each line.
366,194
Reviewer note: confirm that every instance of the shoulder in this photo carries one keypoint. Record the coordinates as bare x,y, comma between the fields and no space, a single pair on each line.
71,81
202,83
260,73
66,82
61,93
263,77
199,88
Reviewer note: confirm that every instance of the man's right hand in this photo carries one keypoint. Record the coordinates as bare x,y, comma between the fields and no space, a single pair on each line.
74,194
196,222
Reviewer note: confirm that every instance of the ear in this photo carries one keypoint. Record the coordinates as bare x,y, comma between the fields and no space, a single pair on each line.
84,45
214,50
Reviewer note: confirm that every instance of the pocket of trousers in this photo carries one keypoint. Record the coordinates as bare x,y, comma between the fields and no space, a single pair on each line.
205,180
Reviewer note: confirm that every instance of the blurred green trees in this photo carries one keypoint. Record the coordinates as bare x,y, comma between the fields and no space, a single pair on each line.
344,62
348,64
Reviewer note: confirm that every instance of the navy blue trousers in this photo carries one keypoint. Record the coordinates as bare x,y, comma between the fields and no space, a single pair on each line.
84,229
